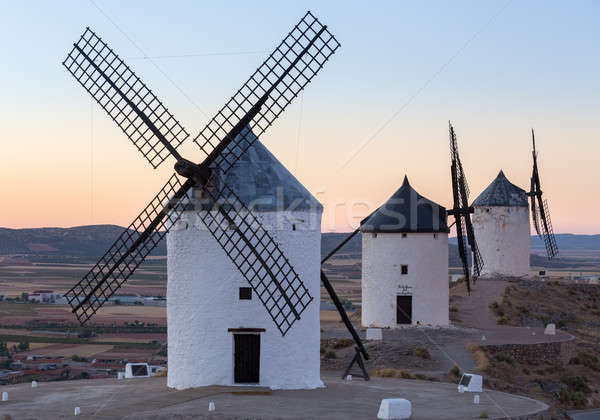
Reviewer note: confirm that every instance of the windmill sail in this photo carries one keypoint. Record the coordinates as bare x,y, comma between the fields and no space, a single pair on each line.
539,209
128,251
281,77
259,102
462,213
127,100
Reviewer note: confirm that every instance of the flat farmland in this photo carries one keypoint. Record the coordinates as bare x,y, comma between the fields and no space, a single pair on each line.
344,272
150,279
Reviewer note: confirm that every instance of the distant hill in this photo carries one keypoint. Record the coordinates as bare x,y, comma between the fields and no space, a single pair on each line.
90,242
569,241
79,241
565,241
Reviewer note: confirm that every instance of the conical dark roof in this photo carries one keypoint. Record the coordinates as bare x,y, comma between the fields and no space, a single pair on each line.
262,183
407,211
501,192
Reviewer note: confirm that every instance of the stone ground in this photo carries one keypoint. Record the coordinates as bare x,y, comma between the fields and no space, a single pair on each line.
149,399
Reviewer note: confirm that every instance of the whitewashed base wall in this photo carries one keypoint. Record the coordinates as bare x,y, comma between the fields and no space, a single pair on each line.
503,238
427,260
203,302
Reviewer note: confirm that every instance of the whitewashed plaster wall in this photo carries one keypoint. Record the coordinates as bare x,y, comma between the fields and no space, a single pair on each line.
203,303
427,278
503,238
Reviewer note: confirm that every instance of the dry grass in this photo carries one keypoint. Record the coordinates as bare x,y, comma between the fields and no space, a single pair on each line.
481,360
422,352
392,373
470,346
454,372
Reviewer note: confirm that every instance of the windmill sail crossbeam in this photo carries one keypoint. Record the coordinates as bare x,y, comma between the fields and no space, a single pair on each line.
119,91
128,251
256,255
293,64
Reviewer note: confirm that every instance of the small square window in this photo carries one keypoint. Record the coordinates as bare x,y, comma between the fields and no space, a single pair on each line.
404,269
294,226
404,235
245,293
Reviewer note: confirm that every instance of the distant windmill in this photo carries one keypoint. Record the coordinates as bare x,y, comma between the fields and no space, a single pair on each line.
539,209
157,134
462,213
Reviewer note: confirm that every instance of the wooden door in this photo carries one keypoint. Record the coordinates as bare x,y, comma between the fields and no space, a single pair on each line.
247,358
404,309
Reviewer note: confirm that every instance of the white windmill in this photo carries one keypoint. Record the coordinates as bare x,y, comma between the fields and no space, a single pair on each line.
214,329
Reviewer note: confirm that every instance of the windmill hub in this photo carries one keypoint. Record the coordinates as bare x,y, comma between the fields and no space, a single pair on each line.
198,173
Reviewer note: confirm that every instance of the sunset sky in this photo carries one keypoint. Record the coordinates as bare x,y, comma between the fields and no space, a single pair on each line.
377,111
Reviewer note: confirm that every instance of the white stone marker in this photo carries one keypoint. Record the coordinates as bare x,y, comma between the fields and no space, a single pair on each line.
5,396
348,378
77,411
211,406
394,408
476,399
470,383
550,329
374,334
34,384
